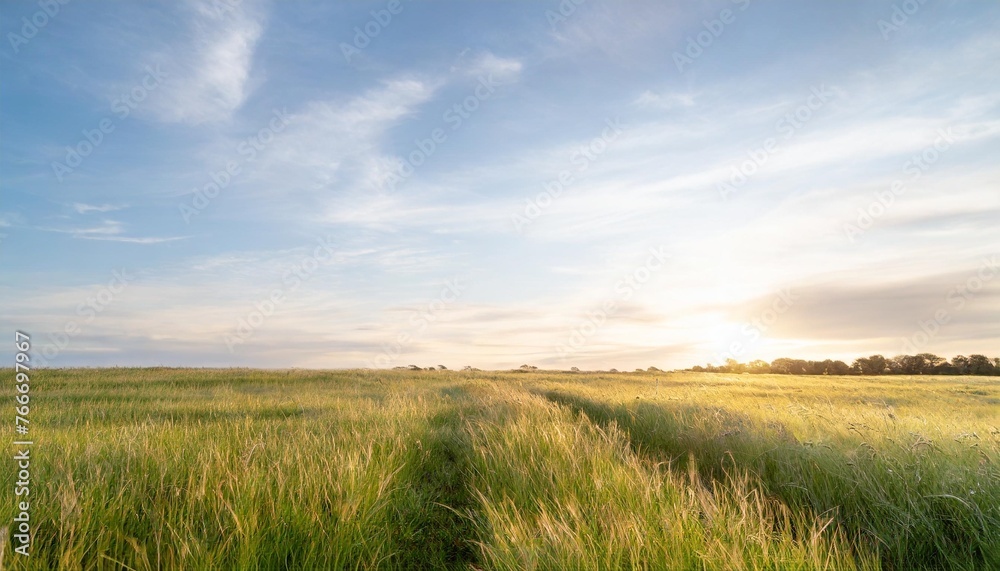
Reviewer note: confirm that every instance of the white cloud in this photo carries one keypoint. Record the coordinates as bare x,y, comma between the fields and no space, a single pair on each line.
665,101
335,145
82,208
132,240
107,227
111,231
501,69
207,76
623,32
8,219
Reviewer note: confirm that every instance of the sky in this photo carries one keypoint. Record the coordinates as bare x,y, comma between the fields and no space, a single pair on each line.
575,183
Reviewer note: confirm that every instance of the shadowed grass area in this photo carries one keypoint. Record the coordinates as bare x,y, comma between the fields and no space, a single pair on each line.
438,508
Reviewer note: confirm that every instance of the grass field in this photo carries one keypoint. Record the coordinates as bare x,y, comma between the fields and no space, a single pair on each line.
249,469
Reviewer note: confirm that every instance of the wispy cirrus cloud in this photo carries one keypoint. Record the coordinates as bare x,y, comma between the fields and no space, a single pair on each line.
338,144
136,240
503,69
111,231
209,74
8,219
83,208
665,100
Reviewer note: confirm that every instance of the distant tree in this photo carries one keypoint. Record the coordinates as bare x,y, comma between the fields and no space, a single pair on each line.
786,366
946,368
800,367
894,365
782,366
858,365
878,364
908,364
613,371
960,363
575,369
921,364
874,365
980,365
931,362
815,367
442,367
838,368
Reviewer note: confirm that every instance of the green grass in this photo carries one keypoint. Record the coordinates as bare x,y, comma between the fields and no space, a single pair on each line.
247,469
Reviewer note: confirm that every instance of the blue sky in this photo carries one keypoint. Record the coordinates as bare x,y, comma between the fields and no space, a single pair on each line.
495,183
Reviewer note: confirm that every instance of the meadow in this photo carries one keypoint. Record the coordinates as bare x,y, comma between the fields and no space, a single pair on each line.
162,468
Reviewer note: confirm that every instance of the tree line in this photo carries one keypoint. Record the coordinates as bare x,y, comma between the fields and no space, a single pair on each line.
921,364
